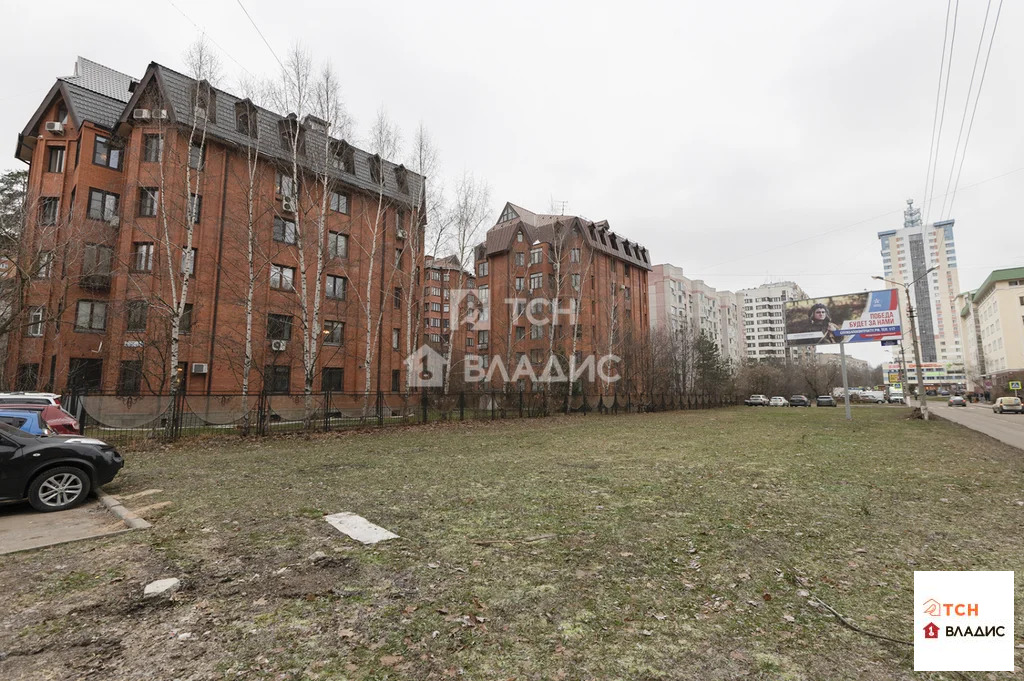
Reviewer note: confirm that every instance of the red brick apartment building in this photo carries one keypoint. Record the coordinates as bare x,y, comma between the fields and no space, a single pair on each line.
529,263
442,275
109,156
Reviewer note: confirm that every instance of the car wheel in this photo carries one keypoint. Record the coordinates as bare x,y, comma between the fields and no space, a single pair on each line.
59,488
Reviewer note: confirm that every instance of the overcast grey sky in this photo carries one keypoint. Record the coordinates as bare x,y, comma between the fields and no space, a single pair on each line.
743,141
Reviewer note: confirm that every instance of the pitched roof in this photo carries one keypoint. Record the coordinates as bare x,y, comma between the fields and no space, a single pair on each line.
994,278
544,228
177,88
101,79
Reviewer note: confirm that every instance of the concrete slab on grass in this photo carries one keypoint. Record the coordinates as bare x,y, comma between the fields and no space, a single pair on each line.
359,528
23,528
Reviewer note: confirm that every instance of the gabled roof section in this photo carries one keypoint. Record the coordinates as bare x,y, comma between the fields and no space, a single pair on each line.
544,228
176,89
101,79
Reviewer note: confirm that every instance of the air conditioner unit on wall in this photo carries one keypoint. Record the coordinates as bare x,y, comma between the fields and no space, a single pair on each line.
278,345
288,204
56,127
200,367
402,234
141,114
160,114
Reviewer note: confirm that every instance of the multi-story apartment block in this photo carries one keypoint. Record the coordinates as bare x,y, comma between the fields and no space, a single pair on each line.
992,319
125,172
595,279
442,275
764,321
688,306
907,254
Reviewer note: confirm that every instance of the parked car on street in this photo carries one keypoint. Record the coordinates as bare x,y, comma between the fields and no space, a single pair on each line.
874,396
1007,405
53,473
57,420
825,401
29,398
799,401
895,397
957,401
757,401
778,401
28,421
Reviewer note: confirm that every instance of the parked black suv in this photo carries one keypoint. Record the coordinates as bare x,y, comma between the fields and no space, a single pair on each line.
799,401
53,473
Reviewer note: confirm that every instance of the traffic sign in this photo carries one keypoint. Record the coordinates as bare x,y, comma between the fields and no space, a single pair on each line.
1015,385
893,341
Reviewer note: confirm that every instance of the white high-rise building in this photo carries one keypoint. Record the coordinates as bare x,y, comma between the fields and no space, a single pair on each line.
764,321
906,255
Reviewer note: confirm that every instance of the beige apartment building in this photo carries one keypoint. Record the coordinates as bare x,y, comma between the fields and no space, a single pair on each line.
993,320
681,304
764,321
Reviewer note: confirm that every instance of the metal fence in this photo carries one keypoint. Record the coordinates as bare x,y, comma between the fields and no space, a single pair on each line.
134,419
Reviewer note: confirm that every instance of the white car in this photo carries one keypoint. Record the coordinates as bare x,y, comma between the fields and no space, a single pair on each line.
778,402
29,398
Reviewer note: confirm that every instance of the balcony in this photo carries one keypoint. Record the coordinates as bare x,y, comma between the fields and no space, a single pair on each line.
95,282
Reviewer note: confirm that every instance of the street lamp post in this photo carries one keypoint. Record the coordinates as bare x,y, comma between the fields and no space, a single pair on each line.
913,334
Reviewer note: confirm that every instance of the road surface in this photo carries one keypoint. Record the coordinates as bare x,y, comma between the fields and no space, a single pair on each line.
1008,428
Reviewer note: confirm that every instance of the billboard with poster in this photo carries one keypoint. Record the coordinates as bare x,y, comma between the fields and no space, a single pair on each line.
851,318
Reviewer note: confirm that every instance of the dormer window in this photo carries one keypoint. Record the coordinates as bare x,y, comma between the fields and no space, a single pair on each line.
614,241
245,118
315,124
376,165
508,214
402,177
343,157
293,136
204,99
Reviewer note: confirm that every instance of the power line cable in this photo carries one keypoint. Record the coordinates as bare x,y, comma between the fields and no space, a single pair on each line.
204,32
929,196
938,94
970,126
967,105
265,42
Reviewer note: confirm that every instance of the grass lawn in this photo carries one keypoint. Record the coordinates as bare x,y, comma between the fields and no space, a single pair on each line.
685,545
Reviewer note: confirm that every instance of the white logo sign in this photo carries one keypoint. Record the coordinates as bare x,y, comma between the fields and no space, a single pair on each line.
963,621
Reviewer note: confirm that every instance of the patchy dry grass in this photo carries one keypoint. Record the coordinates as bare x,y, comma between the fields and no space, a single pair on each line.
685,546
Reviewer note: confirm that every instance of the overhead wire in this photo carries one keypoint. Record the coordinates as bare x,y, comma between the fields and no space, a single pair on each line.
938,94
205,33
930,191
258,31
970,126
967,104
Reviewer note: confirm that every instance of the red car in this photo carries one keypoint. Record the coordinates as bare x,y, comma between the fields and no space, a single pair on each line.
57,420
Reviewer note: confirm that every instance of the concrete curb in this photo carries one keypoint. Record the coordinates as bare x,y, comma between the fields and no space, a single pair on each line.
133,521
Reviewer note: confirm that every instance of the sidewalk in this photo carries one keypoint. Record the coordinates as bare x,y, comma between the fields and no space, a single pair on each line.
1007,428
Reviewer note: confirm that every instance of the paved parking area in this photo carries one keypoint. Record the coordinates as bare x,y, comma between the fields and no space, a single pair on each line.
22,528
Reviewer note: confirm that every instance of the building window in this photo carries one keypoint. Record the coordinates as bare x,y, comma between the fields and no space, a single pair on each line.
277,379
44,265
245,118
188,261
520,259
149,197
103,205
284,231
152,148
337,287
334,333
284,185
520,281
142,256
135,317
97,260
195,207
91,315
520,333
55,159
333,380
396,338
536,255
337,245
536,281
339,203
398,298
574,255
129,381
49,209
536,332
196,156
482,339
396,380
282,278
575,281
481,269
105,155
398,257
36,314
185,323
279,327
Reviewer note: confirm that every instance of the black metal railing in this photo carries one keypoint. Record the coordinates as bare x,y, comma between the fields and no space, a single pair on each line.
133,419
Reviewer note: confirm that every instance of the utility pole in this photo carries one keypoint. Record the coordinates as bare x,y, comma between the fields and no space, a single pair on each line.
917,353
